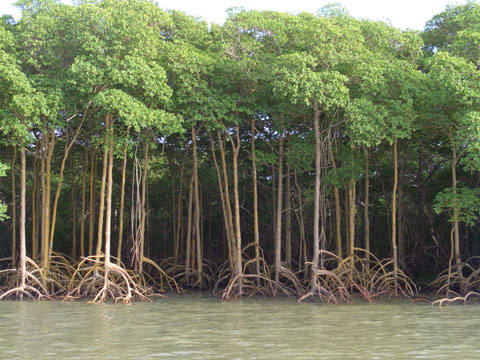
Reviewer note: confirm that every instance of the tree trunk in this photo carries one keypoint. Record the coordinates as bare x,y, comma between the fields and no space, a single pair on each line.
102,187
338,211
66,151
14,209
144,210
365,211
23,206
226,215
197,207
394,213
91,222
179,230
351,215
316,213
238,234
288,217
188,241
108,202
301,225
48,181
456,231
228,207
82,211
278,223
122,205
73,199
256,233
34,209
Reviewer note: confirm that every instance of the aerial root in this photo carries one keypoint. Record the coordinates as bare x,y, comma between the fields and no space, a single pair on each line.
33,286
103,280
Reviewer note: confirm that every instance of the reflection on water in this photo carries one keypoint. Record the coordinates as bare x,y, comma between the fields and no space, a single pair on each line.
198,327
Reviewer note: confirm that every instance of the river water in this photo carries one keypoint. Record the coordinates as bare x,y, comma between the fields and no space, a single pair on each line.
198,327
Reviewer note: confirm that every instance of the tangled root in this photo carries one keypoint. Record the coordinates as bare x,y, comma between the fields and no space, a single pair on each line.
458,280
355,275
102,280
33,287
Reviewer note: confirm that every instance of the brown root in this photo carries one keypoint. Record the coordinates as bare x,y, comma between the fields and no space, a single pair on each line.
100,280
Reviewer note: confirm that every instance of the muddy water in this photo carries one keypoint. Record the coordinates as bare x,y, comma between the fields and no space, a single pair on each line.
198,327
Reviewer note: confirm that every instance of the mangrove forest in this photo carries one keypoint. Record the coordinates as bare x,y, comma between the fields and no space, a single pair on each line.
315,156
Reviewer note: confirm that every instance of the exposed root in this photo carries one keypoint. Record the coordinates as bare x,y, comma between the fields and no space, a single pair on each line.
455,299
103,280
163,282
33,287
458,280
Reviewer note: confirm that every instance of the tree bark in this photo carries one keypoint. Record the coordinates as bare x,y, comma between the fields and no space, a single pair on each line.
122,205
278,223
101,209
197,216
288,216
82,211
316,213
456,230
23,207
256,233
14,209
394,213
365,211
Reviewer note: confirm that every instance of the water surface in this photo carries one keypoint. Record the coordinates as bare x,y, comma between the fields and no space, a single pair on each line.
199,327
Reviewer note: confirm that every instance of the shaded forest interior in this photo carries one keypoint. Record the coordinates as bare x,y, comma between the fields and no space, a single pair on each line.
313,155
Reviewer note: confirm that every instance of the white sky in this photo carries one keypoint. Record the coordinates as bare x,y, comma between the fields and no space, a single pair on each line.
411,14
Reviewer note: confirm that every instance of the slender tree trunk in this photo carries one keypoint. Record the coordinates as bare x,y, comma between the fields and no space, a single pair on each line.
91,222
274,206
178,236
278,223
365,210
82,211
401,238
338,211
351,215
198,233
301,224
108,202
34,210
228,208
256,233
288,217
14,209
101,209
188,241
38,213
238,234
316,213
144,210
23,207
347,220
394,213
48,181
43,188
226,216
68,146
122,205
456,231
73,199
